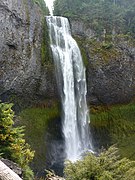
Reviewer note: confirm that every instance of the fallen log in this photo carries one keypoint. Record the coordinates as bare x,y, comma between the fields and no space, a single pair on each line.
6,173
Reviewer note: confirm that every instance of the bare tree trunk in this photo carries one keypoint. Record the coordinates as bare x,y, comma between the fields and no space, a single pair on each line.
6,173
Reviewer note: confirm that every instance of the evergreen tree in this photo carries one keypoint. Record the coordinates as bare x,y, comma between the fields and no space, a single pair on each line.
12,143
117,16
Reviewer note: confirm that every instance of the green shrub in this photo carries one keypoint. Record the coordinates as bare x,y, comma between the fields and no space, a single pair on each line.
12,144
106,45
107,166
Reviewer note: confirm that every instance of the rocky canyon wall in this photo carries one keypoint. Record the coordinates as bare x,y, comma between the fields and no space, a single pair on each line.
110,65
25,71
26,68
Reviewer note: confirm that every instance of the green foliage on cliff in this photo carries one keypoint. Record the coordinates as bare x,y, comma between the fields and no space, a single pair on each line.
103,16
99,51
45,43
45,46
103,51
107,166
12,142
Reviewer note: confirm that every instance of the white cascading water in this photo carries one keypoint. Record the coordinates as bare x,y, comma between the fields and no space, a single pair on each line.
71,81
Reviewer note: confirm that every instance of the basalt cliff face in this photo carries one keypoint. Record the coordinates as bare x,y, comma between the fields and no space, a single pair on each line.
26,69
25,74
110,65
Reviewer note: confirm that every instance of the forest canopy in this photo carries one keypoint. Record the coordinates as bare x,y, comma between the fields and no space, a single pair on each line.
112,16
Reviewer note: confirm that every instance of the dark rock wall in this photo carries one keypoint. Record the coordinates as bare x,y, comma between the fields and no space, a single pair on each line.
23,74
112,82
110,72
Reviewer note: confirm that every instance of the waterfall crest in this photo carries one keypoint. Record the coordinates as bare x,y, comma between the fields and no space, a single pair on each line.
71,81
49,4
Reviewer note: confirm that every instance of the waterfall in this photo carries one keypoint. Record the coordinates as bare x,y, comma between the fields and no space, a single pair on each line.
71,81
49,4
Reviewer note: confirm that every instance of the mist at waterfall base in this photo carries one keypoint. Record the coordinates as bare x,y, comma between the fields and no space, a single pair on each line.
71,81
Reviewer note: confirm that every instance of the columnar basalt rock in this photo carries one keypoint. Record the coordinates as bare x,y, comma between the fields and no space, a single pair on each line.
22,73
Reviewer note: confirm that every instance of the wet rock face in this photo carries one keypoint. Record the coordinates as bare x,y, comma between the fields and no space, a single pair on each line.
21,34
111,81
